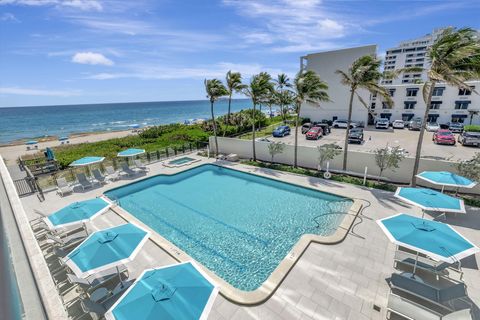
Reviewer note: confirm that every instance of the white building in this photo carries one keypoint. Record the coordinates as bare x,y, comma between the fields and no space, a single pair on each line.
449,104
325,64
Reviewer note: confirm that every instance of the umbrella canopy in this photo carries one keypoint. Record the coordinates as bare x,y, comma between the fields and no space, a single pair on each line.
77,212
106,249
431,200
86,161
435,239
180,291
31,142
63,138
130,152
445,178
49,154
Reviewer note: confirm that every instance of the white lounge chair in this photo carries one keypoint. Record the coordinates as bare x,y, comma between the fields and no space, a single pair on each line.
141,166
99,177
63,187
83,181
112,175
233,157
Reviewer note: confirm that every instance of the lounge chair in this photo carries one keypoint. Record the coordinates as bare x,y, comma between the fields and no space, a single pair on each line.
141,166
97,309
63,187
112,175
424,263
129,171
439,296
415,311
232,157
99,177
68,241
83,181
91,283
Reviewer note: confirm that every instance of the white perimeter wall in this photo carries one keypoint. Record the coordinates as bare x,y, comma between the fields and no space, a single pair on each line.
308,158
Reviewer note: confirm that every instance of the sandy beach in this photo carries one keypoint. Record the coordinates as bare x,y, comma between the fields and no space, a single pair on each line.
11,152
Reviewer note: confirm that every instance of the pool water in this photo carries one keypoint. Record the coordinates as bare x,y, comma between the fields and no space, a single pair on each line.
239,225
182,160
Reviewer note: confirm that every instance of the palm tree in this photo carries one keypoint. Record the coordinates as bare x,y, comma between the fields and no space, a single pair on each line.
284,99
454,58
215,89
258,90
307,87
363,74
234,84
282,83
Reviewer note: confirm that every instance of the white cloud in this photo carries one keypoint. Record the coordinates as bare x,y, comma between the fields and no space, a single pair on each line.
7,16
85,5
37,92
91,58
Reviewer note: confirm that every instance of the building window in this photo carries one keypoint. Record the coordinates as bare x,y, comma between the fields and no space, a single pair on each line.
438,91
405,81
412,92
407,116
432,117
373,105
419,65
385,105
462,105
435,105
420,59
409,105
391,92
459,118
465,92
409,60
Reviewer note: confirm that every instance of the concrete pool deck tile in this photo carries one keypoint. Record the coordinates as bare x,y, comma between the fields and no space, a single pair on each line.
307,306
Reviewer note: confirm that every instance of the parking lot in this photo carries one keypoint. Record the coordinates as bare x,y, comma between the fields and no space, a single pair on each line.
404,138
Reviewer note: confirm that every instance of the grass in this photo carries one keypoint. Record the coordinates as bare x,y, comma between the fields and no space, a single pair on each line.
469,200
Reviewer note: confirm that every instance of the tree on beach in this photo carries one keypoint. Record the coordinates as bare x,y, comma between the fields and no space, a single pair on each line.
215,89
454,58
234,85
258,90
364,73
307,88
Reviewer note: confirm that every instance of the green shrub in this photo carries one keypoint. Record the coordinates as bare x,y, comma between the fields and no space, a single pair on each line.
472,128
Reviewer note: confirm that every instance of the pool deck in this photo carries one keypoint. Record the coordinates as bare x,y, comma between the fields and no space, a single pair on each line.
339,281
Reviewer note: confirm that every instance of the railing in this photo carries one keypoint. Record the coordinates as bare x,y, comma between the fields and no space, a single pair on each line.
38,166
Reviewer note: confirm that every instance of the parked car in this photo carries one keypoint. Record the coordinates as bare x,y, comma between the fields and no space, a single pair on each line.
382,123
355,135
444,137
314,133
415,124
455,127
325,127
432,127
281,131
444,126
343,124
306,126
469,138
398,124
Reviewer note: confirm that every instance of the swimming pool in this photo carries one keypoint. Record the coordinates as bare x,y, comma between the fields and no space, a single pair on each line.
180,162
238,225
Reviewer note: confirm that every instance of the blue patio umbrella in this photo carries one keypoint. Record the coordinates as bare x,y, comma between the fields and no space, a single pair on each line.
63,138
31,142
180,292
130,152
86,161
49,154
77,212
432,238
431,200
445,178
106,249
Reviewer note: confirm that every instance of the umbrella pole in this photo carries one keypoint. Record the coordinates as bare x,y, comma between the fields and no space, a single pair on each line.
85,228
415,266
423,213
119,277
443,187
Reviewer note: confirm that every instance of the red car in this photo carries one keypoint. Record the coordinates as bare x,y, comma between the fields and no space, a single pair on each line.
444,137
314,133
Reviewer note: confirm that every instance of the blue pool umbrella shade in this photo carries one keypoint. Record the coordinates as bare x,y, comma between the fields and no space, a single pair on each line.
63,138
31,142
445,178
180,292
106,249
435,239
130,152
77,212
431,200
86,161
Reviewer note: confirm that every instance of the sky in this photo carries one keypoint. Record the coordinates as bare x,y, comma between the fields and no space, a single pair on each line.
55,52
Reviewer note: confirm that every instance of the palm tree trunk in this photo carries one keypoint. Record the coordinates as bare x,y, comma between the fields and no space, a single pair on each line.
418,153
345,148
214,128
296,137
228,114
253,133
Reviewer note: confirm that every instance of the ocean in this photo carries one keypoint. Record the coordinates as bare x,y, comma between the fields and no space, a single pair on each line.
36,122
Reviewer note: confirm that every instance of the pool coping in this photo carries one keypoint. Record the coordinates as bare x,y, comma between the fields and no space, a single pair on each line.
269,286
